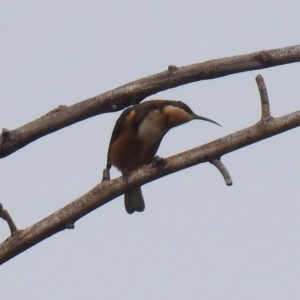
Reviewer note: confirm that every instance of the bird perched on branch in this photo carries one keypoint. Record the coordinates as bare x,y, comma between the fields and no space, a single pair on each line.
137,136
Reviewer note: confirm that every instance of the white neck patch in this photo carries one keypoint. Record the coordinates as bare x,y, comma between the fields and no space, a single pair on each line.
153,127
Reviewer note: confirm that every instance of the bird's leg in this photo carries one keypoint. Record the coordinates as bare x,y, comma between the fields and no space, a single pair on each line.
106,174
158,162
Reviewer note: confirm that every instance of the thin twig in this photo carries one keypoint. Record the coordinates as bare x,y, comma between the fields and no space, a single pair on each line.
221,167
264,98
6,216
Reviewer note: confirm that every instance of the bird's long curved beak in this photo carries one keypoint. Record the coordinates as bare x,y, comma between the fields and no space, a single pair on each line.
196,117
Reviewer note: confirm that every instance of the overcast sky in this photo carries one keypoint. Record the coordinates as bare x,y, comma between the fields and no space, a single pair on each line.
198,238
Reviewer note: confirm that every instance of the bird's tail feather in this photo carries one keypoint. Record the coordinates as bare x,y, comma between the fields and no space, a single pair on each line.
134,200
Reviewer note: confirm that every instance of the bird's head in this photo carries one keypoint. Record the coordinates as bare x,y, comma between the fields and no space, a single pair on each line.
179,113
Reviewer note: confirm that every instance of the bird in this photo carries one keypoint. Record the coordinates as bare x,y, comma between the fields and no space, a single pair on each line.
137,135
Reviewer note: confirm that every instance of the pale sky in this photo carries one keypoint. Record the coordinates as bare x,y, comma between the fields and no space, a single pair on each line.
197,238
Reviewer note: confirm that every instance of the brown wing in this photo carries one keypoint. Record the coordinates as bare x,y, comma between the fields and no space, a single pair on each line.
142,110
117,130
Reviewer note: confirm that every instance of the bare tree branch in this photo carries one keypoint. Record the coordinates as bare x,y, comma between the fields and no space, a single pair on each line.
110,189
136,91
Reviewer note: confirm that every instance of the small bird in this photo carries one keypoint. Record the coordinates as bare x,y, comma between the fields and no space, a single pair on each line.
137,136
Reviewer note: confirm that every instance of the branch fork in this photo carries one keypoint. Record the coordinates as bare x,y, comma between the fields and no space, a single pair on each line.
265,116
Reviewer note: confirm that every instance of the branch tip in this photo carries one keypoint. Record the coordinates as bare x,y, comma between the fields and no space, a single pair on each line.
4,136
221,167
172,68
5,132
6,217
264,98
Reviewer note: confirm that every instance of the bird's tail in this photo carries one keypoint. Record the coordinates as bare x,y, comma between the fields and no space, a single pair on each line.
134,200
